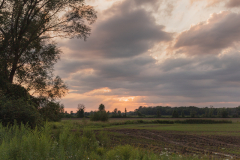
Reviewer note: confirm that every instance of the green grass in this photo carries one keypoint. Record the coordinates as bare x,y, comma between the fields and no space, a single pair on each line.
21,143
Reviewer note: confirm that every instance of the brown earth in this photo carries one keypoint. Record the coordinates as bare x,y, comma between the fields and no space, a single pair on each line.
179,142
124,119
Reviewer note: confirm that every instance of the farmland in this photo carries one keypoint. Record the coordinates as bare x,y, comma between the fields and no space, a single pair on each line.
211,140
123,139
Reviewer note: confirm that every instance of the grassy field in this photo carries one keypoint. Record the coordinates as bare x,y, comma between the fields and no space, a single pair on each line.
220,141
122,139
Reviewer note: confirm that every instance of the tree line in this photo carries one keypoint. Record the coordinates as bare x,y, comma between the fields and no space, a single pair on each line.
163,111
188,111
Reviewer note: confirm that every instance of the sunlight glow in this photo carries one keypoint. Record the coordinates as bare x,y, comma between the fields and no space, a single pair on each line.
126,99
98,91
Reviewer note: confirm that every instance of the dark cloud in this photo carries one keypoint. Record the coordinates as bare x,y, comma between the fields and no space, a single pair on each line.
116,57
129,32
233,3
199,79
219,32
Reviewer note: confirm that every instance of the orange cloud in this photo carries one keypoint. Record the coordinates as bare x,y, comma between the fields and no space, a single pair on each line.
209,2
98,91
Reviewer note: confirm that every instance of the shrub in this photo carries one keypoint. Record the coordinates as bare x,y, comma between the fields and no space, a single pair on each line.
99,116
52,111
20,111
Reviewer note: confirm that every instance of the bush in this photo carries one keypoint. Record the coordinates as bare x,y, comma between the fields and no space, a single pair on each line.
19,111
99,116
52,111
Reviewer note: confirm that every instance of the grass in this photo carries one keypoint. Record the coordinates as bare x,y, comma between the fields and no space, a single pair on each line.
20,143
84,139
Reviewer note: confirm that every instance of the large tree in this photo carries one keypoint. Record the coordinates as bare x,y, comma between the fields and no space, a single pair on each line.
27,51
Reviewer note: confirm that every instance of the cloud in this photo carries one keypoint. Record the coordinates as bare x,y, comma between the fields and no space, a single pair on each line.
227,3
199,80
210,3
129,31
114,66
221,31
233,3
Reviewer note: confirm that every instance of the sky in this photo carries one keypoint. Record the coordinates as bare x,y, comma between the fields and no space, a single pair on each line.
155,53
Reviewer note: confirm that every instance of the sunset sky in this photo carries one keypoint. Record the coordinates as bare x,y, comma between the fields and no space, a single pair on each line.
155,52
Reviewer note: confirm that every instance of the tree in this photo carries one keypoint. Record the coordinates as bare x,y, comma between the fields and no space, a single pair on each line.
27,51
238,111
101,107
175,114
158,114
52,111
80,111
183,115
193,114
115,111
125,114
119,114
100,115
223,113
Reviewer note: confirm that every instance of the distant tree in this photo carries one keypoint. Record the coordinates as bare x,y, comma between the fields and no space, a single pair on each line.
193,114
100,115
158,114
140,114
210,114
183,115
71,112
101,107
119,114
238,111
175,114
115,111
80,111
125,115
223,113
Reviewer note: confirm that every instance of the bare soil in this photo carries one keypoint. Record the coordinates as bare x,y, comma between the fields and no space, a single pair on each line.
179,142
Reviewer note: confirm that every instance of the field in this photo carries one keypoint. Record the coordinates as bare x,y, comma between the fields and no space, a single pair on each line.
123,139
220,141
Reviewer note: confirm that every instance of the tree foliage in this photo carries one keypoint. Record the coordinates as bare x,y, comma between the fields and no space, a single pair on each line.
100,115
101,107
27,53
80,112
52,111
19,111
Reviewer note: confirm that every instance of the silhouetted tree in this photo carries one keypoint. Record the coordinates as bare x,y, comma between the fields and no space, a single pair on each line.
183,115
101,107
158,114
80,111
125,115
100,115
175,114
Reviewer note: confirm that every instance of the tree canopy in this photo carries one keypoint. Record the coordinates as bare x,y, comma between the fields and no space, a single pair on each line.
28,87
27,51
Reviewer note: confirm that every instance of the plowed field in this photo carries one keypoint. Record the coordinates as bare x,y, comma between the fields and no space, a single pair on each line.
179,142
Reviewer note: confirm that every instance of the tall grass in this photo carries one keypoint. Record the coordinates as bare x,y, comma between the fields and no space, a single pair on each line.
23,143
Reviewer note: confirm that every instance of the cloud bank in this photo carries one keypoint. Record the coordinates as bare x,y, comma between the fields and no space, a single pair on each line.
115,67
